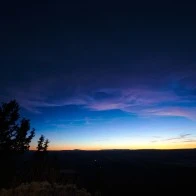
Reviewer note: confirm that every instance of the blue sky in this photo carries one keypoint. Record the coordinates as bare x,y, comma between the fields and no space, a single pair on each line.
96,76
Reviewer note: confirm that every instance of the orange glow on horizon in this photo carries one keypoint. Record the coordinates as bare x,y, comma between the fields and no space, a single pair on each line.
162,146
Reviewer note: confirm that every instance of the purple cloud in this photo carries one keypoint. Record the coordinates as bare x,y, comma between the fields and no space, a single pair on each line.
189,113
143,102
144,96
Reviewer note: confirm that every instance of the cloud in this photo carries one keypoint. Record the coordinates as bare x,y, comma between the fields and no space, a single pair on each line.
144,96
190,140
189,113
180,137
142,102
70,123
154,141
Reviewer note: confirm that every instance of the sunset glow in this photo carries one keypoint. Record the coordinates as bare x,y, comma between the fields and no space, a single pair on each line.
93,78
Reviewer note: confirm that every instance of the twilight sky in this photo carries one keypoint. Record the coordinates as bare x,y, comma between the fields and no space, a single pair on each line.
102,75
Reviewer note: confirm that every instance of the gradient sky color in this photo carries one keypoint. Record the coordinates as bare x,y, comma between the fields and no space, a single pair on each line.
102,75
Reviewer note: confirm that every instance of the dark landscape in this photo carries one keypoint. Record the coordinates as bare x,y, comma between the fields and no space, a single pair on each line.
121,172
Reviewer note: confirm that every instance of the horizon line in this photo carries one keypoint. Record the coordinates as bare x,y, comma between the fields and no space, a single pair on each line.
166,149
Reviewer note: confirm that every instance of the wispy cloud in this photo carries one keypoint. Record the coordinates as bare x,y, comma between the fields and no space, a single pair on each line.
190,140
70,123
189,113
176,100
180,137
154,141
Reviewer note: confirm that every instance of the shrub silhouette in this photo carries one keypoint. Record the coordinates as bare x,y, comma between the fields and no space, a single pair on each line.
44,189
14,134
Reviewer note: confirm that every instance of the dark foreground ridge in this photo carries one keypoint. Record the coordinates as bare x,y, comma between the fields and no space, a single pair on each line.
116,172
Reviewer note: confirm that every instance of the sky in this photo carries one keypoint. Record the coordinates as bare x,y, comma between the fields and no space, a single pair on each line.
102,74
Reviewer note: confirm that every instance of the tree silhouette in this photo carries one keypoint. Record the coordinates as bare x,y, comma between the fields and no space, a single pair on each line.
46,144
22,141
40,145
14,134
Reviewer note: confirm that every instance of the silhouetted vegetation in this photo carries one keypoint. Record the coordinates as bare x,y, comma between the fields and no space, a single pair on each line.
15,138
42,144
46,189
14,135
46,144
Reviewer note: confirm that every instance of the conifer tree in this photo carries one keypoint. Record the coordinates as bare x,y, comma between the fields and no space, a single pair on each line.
14,134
